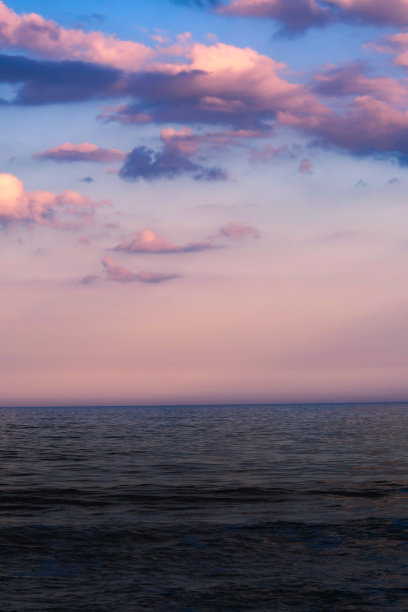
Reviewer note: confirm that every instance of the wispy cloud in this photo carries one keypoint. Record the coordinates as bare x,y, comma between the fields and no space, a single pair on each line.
85,151
146,241
238,231
123,275
266,154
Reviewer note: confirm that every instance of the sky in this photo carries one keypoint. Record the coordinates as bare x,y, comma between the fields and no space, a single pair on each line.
203,201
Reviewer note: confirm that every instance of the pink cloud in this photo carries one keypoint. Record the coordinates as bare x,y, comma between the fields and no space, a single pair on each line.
65,210
296,15
185,143
238,231
397,44
44,37
299,15
125,113
123,275
218,84
365,127
266,154
381,12
232,77
117,273
305,167
84,240
352,79
221,84
84,151
146,241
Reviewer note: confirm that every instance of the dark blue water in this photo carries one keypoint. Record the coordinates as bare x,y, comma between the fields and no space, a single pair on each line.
204,508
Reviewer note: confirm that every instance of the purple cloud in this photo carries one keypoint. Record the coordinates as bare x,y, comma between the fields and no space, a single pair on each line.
299,15
266,154
305,167
91,279
295,16
235,88
238,231
123,275
199,3
353,80
148,164
45,82
146,241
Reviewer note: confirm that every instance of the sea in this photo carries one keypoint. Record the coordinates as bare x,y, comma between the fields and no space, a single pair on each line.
204,508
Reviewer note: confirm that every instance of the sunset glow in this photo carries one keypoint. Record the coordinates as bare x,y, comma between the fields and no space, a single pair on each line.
203,201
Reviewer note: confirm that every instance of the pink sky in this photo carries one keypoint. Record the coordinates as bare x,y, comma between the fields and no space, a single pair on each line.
208,211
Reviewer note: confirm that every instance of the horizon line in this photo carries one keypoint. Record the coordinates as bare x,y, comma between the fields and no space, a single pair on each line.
208,405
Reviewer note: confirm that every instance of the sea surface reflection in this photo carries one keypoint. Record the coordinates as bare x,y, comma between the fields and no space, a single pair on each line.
204,508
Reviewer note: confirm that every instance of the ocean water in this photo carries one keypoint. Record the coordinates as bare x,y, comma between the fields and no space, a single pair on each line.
204,508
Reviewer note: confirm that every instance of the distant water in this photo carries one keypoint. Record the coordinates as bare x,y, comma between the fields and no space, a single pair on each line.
300,508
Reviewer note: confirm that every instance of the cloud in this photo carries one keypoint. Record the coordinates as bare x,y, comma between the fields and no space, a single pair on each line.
123,275
85,151
221,84
367,126
305,167
45,38
84,240
199,3
352,79
266,154
396,44
185,143
295,16
87,19
148,164
238,231
65,210
378,12
146,241
89,280
241,90
45,82
299,15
